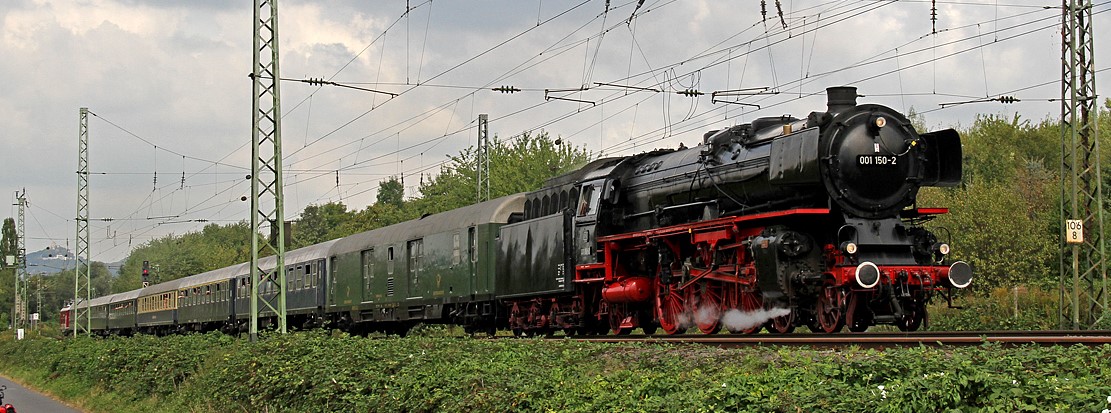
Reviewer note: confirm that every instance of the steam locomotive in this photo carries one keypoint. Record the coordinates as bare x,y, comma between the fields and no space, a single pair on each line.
777,223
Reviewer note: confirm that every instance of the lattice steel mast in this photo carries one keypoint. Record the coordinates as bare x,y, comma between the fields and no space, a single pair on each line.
266,169
81,282
482,158
1083,281
20,309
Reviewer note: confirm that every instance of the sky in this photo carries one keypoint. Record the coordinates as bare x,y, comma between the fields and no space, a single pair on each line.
170,100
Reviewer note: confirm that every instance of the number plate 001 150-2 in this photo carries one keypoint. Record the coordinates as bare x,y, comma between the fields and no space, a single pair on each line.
876,160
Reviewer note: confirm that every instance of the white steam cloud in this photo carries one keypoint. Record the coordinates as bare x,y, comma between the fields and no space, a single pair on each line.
737,320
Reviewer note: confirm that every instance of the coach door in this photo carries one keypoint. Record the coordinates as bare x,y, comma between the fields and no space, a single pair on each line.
416,255
477,279
368,274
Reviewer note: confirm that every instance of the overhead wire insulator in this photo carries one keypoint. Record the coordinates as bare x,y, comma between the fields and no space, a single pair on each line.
640,3
506,89
779,9
1000,99
933,16
690,93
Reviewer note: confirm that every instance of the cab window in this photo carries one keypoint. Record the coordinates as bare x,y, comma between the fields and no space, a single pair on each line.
588,200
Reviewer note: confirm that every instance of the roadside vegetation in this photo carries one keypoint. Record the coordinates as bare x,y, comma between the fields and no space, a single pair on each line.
427,372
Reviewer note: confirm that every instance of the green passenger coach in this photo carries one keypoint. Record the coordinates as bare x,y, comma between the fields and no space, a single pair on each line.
439,268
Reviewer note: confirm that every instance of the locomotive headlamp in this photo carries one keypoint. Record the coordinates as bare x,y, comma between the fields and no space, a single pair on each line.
867,275
881,121
941,248
848,247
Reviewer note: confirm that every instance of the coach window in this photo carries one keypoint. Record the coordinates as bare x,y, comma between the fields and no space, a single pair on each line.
308,275
389,260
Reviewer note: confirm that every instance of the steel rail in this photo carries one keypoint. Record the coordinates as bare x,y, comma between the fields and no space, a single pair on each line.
877,340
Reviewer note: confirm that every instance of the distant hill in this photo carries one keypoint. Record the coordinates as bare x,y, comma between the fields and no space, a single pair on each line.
55,259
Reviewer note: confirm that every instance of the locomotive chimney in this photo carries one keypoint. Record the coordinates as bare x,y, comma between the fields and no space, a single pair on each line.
840,98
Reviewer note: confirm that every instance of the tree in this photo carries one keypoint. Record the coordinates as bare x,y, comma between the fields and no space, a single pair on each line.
518,165
318,222
1004,219
390,192
9,245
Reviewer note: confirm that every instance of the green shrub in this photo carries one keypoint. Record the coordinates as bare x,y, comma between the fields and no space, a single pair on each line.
1037,310
324,371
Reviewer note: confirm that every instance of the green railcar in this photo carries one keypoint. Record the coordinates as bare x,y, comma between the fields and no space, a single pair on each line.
98,313
121,312
433,269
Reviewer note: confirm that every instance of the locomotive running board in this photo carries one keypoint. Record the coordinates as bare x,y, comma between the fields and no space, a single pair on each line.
712,224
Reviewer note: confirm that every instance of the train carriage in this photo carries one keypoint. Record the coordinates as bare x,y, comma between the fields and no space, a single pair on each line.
433,269
98,313
156,307
121,312
305,278
206,301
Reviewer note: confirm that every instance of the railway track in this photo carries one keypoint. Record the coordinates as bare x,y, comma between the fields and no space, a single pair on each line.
878,340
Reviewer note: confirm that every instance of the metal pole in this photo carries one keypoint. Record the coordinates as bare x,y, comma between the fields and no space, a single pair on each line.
1083,265
20,263
266,170
482,158
82,287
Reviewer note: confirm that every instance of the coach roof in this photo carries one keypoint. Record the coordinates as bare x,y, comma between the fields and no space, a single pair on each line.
493,211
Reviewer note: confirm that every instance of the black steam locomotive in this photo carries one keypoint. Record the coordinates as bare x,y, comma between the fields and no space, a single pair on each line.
778,223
